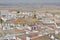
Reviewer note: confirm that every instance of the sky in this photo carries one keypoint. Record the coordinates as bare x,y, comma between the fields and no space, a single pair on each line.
29,2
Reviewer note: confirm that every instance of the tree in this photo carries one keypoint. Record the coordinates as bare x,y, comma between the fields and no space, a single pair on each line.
1,20
18,12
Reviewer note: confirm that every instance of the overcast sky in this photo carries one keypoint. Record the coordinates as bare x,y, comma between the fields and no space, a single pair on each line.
28,1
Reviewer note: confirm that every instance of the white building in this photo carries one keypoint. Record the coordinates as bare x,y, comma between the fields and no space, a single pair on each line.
47,20
8,26
57,16
10,37
28,38
4,12
7,15
40,15
24,14
50,14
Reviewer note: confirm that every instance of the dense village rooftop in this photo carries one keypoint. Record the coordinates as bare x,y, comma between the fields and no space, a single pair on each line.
33,25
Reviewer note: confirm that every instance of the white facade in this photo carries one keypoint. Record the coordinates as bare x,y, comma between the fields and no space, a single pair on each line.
4,12
19,39
8,36
7,15
50,14
47,20
52,37
57,16
8,26
28,38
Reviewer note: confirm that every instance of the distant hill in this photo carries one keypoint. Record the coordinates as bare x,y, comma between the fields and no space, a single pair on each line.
30,4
